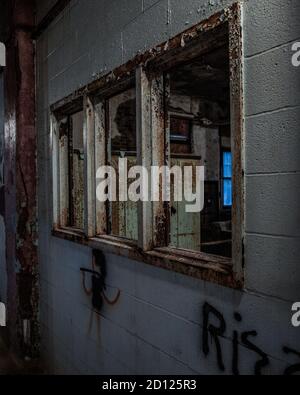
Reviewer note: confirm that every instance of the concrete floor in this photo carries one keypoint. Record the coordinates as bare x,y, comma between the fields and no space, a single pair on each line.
11,365
8,364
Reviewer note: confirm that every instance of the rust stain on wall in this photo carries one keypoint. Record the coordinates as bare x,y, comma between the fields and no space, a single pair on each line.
2,201
21,181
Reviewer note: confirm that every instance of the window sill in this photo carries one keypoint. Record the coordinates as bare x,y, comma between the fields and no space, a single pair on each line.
205,267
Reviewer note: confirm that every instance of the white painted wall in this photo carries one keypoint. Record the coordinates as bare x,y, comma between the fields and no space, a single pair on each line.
157,325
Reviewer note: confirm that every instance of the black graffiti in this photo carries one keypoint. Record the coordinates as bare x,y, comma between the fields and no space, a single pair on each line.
294,368
235,354
264,357
235,347
215,332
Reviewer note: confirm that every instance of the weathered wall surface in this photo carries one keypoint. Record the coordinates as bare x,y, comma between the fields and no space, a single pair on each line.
157,325
2,225
18,184
43,8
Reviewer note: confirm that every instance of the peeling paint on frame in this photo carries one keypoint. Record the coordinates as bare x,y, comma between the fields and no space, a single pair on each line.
154,62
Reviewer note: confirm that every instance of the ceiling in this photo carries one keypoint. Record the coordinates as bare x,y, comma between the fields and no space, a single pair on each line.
206,77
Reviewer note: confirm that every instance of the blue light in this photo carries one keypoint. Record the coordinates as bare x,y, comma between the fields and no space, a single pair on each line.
227,179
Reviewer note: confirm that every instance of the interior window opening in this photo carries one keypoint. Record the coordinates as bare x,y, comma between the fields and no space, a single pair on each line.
122,143
72,171
200,135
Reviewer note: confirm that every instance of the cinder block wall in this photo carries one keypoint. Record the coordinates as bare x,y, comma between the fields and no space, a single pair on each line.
157,325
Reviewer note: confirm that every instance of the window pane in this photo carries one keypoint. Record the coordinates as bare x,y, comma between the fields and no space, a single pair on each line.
227,165
199,113
123,216
227,193
76,171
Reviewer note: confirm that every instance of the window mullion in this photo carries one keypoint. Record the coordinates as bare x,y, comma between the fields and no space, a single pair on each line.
100,160
237,140
144,149
63,159
89,167
55,171
159,92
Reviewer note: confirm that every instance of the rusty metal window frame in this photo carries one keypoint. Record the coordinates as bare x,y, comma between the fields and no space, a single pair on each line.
148,72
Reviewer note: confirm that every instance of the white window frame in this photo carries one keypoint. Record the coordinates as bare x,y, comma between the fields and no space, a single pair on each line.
151,88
